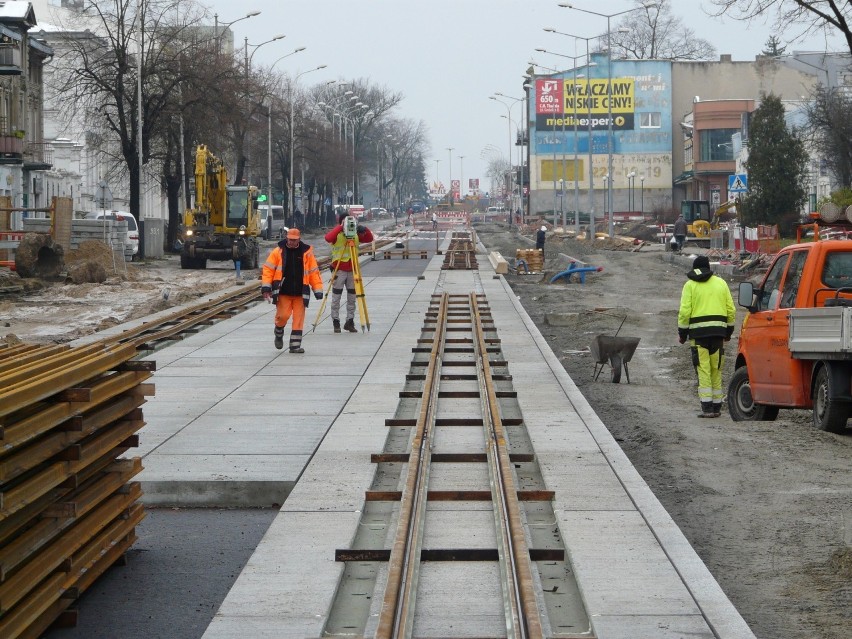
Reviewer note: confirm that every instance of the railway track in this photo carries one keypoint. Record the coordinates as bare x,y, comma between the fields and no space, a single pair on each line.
457,537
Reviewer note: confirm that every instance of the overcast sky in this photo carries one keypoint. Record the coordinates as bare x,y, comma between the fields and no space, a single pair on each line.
448,56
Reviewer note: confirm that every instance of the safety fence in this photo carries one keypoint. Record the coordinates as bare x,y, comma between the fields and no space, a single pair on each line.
68,507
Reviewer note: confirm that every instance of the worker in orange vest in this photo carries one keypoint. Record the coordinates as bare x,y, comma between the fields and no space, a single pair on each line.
289,274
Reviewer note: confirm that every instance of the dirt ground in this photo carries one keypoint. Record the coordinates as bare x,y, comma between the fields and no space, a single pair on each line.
767,505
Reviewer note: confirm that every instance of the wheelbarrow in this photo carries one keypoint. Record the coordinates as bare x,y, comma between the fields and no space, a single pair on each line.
615,351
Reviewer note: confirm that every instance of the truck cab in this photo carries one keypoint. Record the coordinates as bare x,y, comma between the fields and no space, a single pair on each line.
772,369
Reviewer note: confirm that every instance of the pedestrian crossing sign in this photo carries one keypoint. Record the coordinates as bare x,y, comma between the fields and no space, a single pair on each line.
738,183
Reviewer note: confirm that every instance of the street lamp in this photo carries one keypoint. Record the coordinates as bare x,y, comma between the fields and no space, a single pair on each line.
508,117
227,25
450,180
642,191
523,124
269,138
437,175
461,178
293,138
631,180
248,58
608,16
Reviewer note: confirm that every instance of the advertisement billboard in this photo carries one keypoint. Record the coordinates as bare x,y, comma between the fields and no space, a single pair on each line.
584,102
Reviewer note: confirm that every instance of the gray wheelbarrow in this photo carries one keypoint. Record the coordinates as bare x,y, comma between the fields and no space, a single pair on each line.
615,351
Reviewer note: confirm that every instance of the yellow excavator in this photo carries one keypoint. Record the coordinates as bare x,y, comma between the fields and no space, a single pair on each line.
700,221
224,223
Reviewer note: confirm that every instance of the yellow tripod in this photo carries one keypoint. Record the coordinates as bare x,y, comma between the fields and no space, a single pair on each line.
360,298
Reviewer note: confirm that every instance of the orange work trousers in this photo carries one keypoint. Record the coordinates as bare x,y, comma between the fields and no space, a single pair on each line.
290,305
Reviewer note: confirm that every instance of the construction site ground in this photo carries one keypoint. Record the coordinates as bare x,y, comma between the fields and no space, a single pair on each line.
765,504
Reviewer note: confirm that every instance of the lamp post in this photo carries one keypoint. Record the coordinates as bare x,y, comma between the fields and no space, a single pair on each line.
631,180
609,16
508,117
437,174
269,137
293,138
461,178
522,125
574,174
227,25
248,58
642,192
450,179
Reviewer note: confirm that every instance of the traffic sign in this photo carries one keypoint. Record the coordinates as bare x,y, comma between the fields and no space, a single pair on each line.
738,183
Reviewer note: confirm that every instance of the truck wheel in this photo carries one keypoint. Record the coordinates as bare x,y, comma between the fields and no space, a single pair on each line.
829,414
741,405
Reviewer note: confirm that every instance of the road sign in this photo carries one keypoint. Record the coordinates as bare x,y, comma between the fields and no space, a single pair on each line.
103,196
738,183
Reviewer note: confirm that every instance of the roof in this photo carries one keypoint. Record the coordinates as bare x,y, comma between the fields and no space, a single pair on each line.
17,10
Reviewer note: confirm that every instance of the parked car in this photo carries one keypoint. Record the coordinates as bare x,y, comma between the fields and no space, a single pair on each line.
131,244
274,227
377,212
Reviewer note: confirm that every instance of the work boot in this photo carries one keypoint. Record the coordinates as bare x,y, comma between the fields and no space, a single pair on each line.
349,325
717,409
279,339
297,349
706,410
336,324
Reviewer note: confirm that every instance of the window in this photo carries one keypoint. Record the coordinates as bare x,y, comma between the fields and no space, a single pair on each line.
837,271
793,279
716,145
768,296
650,120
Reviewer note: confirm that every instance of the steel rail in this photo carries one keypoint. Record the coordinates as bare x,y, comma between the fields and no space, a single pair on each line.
397,615
523,619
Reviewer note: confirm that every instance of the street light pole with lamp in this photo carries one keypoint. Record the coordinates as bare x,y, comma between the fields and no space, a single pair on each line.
461,178
450,179
269,135
510,187
524,125
642,191
227,25
574,172
293,137
609,16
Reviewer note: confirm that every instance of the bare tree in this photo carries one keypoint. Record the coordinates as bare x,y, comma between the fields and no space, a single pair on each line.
808,16
656,34
830,128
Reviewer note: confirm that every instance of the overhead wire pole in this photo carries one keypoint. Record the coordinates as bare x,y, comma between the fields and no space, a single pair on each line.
609,16
524,127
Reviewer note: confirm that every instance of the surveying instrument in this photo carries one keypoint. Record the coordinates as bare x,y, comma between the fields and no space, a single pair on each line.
350,232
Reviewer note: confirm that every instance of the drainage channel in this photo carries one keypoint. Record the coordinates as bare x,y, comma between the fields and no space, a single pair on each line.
458,586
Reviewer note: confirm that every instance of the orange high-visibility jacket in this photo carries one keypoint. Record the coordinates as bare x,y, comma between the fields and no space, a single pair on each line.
273,271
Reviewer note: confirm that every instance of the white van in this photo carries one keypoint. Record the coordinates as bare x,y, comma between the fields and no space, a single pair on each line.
274,227
131,245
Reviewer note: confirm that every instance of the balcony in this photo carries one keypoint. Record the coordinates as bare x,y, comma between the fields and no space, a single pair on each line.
11,149
10,57
38,156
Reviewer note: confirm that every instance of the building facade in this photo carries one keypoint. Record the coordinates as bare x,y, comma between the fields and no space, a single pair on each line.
673,132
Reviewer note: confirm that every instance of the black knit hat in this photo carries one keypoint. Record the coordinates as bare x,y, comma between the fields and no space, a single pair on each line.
701,262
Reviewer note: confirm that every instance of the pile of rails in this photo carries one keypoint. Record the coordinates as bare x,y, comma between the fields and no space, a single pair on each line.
68,507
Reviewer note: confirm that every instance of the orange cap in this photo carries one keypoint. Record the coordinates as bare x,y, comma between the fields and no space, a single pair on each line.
293,234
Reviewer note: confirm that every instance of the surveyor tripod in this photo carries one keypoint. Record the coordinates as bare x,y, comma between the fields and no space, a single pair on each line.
351,249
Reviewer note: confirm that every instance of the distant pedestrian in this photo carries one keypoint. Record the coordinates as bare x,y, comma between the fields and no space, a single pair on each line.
540,237
434,221
289,275
680,229
706,317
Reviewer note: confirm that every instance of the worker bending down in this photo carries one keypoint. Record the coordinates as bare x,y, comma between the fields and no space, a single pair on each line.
289,274
706,317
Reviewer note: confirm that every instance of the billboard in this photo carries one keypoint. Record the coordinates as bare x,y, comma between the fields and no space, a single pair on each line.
583,103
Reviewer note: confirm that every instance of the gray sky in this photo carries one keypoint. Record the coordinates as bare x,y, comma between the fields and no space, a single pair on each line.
448,56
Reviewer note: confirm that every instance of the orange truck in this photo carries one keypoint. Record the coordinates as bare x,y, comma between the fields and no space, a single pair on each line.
795,346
